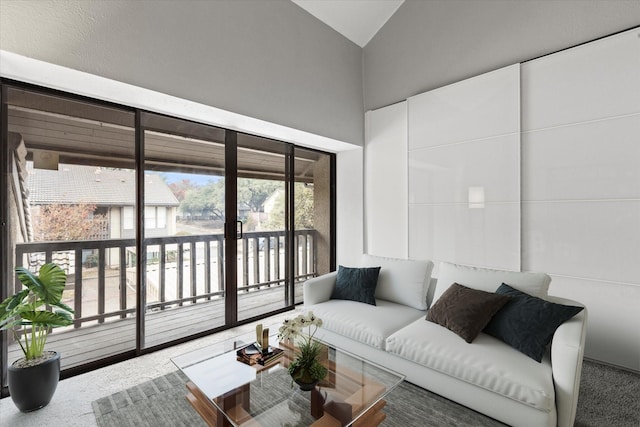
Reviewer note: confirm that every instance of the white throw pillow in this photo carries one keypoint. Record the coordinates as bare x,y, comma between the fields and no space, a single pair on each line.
402,281
489,280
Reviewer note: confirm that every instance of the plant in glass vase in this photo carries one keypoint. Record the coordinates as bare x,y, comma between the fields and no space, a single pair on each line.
306,370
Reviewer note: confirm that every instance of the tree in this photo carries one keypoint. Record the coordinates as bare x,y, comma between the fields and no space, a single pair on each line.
254,192
181,187
303,200
207,199
69,222
210,199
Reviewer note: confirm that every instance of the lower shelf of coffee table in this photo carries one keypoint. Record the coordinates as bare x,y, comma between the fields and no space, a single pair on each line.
215,418
372,418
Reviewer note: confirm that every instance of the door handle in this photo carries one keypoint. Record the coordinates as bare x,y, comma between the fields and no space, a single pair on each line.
228,231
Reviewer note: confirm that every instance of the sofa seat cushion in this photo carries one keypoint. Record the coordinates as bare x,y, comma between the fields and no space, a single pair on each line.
368,324
487,362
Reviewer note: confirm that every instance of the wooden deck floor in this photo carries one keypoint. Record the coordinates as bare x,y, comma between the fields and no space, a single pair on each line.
90,343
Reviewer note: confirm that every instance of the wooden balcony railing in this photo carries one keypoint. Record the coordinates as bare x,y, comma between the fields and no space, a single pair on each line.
180,270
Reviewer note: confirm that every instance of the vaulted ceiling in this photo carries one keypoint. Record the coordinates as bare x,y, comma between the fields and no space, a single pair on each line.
357,20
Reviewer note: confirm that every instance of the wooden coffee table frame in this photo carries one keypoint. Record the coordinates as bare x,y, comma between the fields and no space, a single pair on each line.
360,394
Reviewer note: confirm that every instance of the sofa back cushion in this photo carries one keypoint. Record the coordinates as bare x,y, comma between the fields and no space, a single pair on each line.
356,284
489,280
527,323
402,281
466,311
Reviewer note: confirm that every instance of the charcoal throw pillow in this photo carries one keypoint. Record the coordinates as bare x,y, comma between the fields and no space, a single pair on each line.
527,323
465,311
356,284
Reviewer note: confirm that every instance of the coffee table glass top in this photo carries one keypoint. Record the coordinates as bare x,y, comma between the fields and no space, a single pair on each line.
265,396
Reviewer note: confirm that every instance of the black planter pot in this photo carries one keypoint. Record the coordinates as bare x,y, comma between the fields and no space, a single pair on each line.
33,387
307,386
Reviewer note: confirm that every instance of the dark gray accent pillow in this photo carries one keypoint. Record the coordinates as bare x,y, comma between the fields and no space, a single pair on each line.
527,323
465,311
356,284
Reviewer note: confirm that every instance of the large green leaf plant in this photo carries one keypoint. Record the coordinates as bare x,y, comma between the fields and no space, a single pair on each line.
27,309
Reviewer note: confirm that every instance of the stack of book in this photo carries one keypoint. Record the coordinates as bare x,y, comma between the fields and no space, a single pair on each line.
251,355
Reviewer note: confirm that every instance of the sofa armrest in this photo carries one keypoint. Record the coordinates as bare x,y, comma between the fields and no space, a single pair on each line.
567,351
319,289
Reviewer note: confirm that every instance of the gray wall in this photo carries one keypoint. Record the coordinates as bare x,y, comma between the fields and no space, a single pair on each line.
270,60
428,44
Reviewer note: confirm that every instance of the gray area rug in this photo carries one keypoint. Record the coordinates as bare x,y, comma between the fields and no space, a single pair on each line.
608,397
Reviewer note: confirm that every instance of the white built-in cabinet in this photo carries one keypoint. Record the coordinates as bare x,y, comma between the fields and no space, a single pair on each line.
385,177
581,185
532,167
464,172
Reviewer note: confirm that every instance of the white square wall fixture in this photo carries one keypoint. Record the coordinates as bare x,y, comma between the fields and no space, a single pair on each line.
476,197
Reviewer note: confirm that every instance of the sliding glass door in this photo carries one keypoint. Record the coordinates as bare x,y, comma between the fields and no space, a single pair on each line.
68,197
167,229
183,263
262,206
312,216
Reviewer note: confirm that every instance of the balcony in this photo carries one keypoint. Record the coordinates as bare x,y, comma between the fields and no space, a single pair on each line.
184,286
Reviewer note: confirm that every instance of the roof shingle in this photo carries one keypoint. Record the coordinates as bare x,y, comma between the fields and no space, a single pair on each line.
95,185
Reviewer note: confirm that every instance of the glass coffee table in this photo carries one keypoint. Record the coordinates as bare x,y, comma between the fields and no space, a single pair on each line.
227,392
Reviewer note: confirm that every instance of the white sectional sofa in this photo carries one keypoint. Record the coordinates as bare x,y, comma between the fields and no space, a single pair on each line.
486,375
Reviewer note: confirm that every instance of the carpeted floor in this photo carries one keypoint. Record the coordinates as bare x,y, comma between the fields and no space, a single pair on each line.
608,397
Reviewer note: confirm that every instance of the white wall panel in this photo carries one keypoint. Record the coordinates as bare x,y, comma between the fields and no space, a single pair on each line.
589,82
557,155
486,237
480,107
385,169
598,240
581,185
613,317
462,138
588,161
444,174
349,206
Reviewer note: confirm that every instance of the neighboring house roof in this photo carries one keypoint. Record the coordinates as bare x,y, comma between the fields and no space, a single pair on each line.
95,185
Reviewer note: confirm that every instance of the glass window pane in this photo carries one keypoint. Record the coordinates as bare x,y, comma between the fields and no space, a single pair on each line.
184,198
161,213
128,219
73,172
261,196
149,217
312,210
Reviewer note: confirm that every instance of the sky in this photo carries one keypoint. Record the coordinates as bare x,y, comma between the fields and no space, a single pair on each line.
171,177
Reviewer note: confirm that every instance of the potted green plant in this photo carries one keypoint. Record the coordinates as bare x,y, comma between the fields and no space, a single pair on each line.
306,370
33,379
